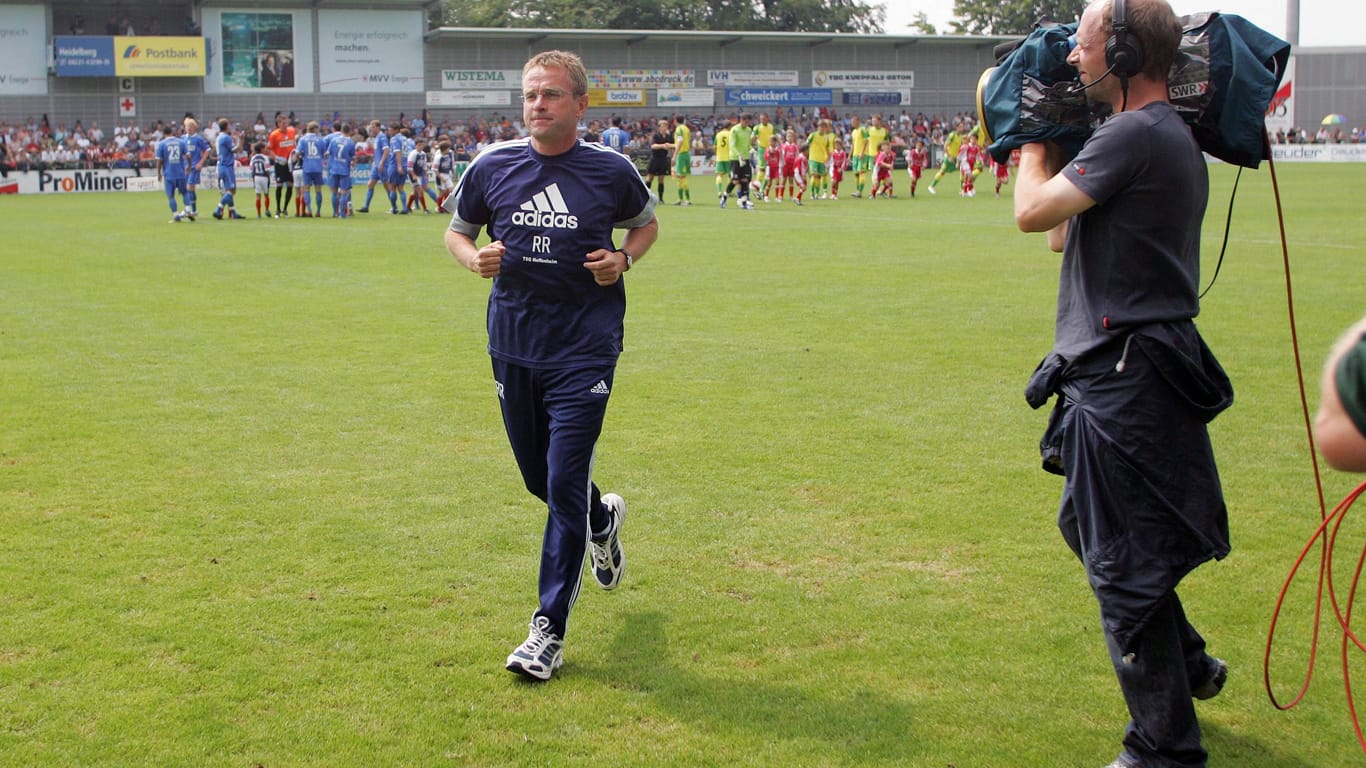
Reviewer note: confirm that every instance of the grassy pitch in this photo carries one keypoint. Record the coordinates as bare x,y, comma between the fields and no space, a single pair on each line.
258,508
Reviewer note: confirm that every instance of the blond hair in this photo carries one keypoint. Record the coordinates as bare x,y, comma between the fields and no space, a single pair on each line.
566,60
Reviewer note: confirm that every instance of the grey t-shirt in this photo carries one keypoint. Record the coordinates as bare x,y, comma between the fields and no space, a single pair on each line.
1134,257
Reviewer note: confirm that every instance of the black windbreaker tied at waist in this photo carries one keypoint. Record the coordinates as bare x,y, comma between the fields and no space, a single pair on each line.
1129,434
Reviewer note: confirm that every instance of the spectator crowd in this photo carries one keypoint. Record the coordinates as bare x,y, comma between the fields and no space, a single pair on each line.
35,144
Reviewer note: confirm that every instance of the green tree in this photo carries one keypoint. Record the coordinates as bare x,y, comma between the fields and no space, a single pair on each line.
920,25
1010,17
820,16
730,15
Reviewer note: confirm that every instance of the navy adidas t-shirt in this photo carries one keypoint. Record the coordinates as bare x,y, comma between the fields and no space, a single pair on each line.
545,310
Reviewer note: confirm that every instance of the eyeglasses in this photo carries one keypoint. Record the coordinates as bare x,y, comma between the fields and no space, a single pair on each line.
549,94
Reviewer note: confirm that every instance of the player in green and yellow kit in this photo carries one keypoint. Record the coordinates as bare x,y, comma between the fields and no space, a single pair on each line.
741,162
952,143
763,136
721,140
682,160
819,145
858,137
875,134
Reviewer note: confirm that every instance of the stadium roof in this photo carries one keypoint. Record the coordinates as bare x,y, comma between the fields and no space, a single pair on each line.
721,39
532,36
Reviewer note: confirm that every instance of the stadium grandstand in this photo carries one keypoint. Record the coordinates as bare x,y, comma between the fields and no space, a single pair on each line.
115,62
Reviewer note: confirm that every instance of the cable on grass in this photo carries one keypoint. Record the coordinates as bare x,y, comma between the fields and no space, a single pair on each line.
1325,536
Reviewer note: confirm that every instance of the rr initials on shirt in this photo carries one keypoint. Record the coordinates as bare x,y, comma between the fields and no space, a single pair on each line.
540,244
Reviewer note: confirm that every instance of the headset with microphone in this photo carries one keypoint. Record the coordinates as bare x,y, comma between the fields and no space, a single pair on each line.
1123,51
1079,86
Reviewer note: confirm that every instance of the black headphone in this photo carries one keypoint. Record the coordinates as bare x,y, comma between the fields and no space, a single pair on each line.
1123,51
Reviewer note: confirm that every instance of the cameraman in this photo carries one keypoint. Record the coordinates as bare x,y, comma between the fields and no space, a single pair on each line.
1141,503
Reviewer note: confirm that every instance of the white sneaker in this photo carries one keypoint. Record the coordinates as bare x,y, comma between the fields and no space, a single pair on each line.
932,192
540,655
609,561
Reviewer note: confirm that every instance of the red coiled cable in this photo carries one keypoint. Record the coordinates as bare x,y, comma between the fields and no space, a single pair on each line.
1324,536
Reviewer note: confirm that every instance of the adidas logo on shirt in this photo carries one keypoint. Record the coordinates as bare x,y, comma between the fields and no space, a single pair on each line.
546,209
600,389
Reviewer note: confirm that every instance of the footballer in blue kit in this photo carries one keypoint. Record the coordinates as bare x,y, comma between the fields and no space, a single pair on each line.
395,169
549,203
341,153
616,137
197,152
379,147
226,149
173,172
313,147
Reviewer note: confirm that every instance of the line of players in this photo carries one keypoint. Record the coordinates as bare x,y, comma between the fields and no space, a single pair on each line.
790,167
309,162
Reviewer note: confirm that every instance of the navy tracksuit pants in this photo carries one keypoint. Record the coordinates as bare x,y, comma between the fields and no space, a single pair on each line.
553,419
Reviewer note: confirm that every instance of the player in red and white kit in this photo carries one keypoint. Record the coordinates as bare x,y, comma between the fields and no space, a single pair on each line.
969,159
838,160
773,155
882,171
917,160
799,173
787,165
1002,170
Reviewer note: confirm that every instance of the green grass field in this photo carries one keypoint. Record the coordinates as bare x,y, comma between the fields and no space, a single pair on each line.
258,509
